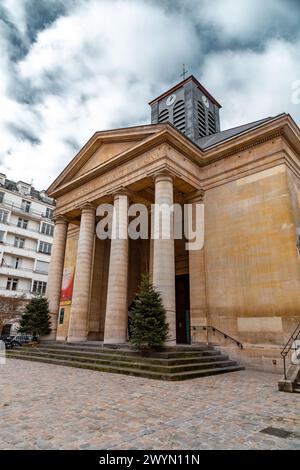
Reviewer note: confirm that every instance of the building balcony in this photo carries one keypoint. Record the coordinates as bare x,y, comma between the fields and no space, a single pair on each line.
29,253
18,293
35,234
18,249
19,210
20,271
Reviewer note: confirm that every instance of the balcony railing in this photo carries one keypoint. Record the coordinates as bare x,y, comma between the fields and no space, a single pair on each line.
28,229
18,268
25,210
19,291
21,247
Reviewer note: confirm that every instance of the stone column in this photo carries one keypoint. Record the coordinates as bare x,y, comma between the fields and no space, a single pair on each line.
56,269
164,250
198,301
116,318
78,326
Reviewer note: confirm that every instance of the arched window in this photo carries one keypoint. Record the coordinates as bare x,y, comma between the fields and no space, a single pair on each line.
163,116
201,120
179,116
211,123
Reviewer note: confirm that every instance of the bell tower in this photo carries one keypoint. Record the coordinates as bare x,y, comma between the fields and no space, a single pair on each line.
189,107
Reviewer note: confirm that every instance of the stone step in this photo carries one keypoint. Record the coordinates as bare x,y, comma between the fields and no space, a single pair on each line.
126,357
185,352
124,347
296,390
164,367
184,375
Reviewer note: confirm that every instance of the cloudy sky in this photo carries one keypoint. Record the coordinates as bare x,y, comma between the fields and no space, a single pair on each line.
71,67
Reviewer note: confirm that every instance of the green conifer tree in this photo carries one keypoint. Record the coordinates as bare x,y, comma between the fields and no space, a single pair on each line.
148,327
36,319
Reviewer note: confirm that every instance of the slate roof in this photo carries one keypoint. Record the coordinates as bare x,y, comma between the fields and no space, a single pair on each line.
209,141
34,193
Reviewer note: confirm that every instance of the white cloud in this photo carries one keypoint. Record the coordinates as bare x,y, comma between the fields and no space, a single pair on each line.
105,59
97,67
244,19
255,85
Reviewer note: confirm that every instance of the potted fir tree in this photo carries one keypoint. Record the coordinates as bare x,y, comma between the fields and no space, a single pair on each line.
147,318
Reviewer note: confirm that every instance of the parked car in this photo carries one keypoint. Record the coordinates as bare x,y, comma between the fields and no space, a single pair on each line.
22,338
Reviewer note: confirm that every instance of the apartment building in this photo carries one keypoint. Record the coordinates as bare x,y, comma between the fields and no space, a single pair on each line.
26,232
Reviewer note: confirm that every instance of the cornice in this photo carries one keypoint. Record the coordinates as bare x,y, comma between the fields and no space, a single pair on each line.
283,127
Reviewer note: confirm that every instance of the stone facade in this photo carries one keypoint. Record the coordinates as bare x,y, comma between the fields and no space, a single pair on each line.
245,281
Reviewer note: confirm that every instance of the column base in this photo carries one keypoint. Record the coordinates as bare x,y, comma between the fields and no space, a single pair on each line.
170,343
76,339
61,338
114,341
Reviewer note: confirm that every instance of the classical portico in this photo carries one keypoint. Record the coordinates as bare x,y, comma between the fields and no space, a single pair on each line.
125,260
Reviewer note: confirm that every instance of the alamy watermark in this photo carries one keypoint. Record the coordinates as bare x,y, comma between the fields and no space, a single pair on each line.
167,222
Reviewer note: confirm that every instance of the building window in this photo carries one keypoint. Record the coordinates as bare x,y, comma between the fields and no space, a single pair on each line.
25,206
39,287
1,196
61,316
12,283
49,213
19,242
45,247
2,234
42,267
3,216
47,229
22,223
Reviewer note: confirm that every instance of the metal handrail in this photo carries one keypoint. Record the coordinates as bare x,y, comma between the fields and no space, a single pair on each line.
289,345
215,330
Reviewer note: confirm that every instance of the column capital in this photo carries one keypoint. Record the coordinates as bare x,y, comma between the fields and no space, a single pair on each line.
60,219
195,196
121,191
87,206
163,175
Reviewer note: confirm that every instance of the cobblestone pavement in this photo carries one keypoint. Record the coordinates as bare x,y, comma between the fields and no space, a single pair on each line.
45,406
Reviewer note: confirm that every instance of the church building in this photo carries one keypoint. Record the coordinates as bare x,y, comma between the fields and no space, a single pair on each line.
245,279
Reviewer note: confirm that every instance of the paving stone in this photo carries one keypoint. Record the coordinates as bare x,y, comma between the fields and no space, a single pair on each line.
55,407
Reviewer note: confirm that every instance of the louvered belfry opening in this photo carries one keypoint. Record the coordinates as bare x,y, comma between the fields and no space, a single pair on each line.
179,116
201,120
211,123
163,116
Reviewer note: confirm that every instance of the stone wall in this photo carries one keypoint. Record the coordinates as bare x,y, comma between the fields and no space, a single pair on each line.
252,263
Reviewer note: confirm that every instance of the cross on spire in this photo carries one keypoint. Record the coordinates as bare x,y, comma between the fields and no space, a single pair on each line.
184,71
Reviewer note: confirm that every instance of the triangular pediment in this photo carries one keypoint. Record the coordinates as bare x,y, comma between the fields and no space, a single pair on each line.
100,149
103,154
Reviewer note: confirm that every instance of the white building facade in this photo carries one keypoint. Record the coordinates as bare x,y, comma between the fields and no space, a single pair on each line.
26,232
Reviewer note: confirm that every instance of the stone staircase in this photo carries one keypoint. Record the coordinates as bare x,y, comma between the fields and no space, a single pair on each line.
178,363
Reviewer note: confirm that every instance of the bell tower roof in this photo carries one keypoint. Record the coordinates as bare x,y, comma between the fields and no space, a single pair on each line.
181,84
